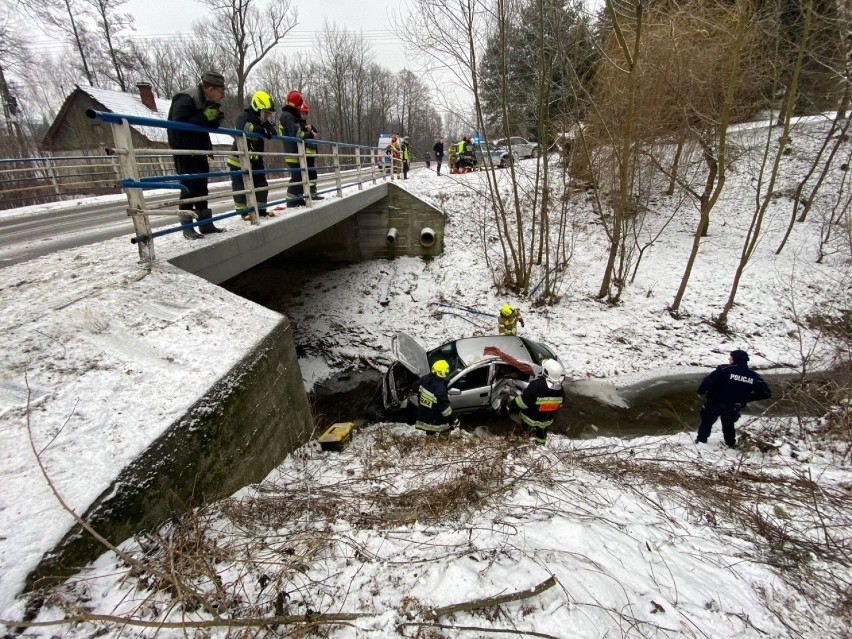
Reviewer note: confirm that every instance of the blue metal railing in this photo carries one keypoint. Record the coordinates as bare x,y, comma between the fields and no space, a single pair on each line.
353,158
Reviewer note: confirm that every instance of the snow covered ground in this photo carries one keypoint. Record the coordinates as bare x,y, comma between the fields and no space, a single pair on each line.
96,363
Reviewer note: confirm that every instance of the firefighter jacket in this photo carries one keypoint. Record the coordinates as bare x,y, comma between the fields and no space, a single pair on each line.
434,403
250,121
508,324
732,384
309,135
393,149
188,106
539,403
291,127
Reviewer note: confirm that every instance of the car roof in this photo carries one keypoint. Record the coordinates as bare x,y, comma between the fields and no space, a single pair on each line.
472,349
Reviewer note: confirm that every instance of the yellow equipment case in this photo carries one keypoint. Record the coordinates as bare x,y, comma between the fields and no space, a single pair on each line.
337,437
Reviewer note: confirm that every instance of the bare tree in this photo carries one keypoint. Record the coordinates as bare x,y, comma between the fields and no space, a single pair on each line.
14,57
68,17
246,31
111,23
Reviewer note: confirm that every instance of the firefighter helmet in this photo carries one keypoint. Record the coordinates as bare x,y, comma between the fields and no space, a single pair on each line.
261,101
553,373
506,310
294,98
441,368
304,108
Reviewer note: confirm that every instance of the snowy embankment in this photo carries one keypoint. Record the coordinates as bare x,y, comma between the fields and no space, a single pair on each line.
637,535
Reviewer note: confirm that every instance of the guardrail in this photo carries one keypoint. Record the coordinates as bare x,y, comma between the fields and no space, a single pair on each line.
343,164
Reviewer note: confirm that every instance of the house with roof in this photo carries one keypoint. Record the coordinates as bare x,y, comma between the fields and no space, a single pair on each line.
73,133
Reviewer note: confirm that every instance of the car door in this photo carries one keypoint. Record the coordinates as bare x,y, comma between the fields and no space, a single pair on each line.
470,389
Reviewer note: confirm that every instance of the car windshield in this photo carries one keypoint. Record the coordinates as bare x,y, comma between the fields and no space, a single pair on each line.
539,352
446,352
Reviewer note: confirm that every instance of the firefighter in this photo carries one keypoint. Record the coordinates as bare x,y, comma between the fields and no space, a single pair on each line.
291,127
508,320
310,133
393,151
254,119
434,409
465,160
541,399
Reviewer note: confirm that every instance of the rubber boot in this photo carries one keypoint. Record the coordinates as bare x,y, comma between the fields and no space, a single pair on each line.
315,196
207,229
189,233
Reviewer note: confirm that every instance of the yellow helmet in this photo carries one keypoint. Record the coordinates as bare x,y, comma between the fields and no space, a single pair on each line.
261,101
441,368
507,310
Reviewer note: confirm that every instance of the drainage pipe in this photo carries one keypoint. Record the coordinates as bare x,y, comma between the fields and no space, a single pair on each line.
391,236
427,237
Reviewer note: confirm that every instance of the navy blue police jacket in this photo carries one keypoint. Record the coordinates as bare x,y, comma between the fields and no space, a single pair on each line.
734,384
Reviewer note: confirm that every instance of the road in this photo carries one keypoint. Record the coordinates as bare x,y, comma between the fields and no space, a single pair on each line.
27,237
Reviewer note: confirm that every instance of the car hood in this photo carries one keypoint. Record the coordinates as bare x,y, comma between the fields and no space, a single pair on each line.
408,352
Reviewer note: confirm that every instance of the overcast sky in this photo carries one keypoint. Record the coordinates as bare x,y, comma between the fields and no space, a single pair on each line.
374,19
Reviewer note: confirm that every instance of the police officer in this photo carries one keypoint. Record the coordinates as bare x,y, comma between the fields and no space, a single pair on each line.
406,157
254,119
508,320
727,390
434,410
541,399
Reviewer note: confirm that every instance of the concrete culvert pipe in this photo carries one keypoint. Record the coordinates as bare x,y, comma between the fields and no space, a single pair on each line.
427,237
391,238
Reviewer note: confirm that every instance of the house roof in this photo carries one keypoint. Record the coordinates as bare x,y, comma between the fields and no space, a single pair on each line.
131,104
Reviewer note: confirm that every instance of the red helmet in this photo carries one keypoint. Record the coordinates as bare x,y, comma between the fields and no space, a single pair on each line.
294,98
394,137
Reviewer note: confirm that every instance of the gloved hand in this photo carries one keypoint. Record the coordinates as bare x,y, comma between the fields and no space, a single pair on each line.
456,424
213,113
267,133
738,407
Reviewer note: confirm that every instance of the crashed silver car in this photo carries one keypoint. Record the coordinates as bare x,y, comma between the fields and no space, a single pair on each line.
485,372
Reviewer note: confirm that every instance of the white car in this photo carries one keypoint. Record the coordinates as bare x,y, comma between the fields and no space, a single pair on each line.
485,372
521,147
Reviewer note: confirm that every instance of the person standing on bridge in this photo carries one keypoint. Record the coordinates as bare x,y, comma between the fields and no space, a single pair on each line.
438,149
406,157
199,105
291,127
310,133
254,119
727,390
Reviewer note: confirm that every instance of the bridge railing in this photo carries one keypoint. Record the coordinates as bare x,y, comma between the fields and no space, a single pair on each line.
341,165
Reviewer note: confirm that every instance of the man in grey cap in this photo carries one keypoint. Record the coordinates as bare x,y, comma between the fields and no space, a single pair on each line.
727,390
199,105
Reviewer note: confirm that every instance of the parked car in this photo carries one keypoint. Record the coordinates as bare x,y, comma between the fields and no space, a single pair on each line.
500,158
485,372
521,147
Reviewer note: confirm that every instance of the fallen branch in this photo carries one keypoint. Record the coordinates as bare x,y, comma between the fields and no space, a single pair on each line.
508,631
490,602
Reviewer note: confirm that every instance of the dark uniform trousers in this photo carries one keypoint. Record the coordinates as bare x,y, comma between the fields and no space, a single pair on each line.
728,413
184,165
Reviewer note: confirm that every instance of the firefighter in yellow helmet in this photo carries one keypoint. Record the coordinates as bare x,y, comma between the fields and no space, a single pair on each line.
255,119
508,320
433,401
